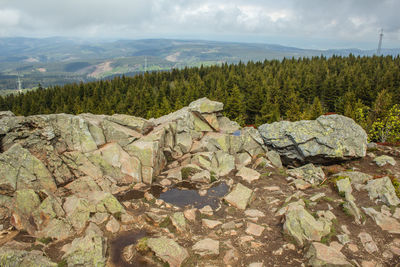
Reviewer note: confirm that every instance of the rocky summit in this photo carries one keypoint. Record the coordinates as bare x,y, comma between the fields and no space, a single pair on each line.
193,188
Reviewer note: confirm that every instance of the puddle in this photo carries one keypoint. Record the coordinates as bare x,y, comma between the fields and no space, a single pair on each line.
181,197
155,190
117,246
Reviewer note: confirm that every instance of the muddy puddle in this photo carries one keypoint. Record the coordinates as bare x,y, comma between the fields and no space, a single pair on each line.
117,246
182,197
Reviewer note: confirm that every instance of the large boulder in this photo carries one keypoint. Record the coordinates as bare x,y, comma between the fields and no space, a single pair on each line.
326,139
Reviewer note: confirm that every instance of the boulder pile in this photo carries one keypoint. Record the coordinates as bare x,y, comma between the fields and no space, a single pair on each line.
193,188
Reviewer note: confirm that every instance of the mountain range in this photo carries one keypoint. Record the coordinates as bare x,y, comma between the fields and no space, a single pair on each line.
56,60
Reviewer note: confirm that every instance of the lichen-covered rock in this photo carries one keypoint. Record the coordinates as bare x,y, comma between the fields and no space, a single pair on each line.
239,197
26,201
206,247
222,163
355,177
326,139
385,222
204,105
275,158
383,160
15,257
302,226
321,255
383,189
308,173
19,169
89,250
168,250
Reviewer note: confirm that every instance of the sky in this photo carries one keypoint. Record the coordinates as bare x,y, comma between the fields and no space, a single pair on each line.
319,24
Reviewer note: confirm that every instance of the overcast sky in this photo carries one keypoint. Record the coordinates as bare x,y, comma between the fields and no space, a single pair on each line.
301,23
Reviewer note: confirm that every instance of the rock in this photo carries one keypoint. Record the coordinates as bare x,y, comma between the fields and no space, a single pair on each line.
344,187
231,256
178,220
254,229
383,189
239,197
204,105
385,222
83,184
168,250
228,126
343,239
326,139
256,264
115,132
368,242
114,155
211,224
135,123
15,257
207,210
275,158
190,214
19,169
206,247
355,176
26,201
317,196
301,184
202,177
184,141
322,255
254,213
242,160
88,250
248,174
383,160
223,163
302,226
308,173
112,225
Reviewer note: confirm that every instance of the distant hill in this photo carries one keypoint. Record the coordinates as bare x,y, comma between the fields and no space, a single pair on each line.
52,61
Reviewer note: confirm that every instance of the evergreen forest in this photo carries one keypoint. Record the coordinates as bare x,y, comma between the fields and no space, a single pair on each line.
366,89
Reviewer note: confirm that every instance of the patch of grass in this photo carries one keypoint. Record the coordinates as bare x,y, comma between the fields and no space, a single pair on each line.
117,215
282,172
327,239
213,177
62,263
142,245
166,222
346,210
307,202
266,174
396,185
327,199
45,240
187,172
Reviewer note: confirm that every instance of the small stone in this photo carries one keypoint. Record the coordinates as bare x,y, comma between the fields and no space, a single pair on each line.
148,196
249,175
371,263
190,214
254,229
168,250
301,184
383,160
254,213
289,246
207,210
322,255
239,197
352,247
345,230
231,256
387,254
210,223
335,245
99,217
317,196
279,251
203,192
201,177
206,247
112,225
244,239
256,264
368,242
344,239
126,218
229,225
165,182
272,188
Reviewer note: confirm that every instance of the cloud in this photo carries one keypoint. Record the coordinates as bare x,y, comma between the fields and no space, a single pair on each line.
340,22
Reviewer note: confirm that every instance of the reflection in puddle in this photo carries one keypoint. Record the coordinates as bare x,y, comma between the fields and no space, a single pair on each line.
181,197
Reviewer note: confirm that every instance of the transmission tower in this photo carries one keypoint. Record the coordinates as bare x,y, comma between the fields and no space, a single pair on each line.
378,52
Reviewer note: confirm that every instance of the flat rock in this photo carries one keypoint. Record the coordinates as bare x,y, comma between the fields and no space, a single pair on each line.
322,255
211,224
383,160
274,158
168,250
385,222
112,225
368,243
383,189
249,175
326,139
206,247
254,229
355,177
239,197
308,173
254,213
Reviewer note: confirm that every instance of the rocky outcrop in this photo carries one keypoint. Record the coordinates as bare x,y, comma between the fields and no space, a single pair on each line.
326,139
